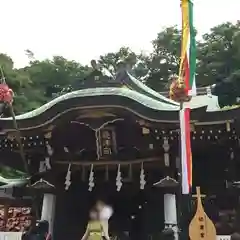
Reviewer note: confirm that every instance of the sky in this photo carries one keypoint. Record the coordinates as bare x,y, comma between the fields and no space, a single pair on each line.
82,30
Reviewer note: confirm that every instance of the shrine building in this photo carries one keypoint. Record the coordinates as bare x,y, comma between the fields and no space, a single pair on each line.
117,140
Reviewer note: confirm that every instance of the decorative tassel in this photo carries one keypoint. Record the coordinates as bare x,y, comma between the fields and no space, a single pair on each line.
142,178
166,148
49,149
68,178
91,183
47,163
119,178
42,166
47,159
65,149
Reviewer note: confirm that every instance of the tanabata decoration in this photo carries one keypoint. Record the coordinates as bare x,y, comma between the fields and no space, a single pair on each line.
6,94
178,91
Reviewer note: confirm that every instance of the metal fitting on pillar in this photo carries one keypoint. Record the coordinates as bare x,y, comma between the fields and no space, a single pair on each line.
170,213
166,148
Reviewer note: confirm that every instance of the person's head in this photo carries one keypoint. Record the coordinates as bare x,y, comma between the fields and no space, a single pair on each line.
100,205
93,214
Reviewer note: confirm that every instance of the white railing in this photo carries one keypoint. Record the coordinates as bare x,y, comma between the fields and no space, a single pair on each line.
10,235
17,236
223,237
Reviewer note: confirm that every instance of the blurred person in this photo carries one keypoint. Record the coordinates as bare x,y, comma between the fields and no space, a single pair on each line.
94,229
105,213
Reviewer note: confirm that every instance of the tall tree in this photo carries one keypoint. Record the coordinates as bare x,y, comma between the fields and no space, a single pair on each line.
109,61
136,62
54,77
164,60
219,61
19,81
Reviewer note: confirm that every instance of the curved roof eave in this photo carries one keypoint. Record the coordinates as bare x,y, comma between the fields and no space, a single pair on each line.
138,86
124,92
211,101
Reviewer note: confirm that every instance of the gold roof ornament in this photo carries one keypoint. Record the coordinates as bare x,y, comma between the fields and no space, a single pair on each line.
48,135
12,135
178,91
201,227
95,114
49,128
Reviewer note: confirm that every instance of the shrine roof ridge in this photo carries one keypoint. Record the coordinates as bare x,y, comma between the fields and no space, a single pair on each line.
127,92
106,91
135,84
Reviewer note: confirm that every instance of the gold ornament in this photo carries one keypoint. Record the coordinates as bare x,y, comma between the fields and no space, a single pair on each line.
178,90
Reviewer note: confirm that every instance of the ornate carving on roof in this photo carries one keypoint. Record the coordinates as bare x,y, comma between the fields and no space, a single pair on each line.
42,184
122,91
93,113
49,128
166,182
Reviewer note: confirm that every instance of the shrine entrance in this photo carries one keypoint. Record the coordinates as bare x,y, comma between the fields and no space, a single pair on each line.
106,153
138,214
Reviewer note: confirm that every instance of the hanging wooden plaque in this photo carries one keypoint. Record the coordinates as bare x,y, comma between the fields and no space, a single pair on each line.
201,227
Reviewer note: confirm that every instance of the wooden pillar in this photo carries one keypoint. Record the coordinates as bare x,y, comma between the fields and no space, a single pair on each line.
5,217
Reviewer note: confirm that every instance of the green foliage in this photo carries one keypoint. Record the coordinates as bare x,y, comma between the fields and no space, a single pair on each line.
218,58
164,60
219,53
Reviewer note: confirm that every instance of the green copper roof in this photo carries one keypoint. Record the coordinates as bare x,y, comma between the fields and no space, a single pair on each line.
142,88
106,91
10,177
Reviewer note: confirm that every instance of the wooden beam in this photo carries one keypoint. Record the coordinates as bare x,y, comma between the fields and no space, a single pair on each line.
110,162
5,216
214,123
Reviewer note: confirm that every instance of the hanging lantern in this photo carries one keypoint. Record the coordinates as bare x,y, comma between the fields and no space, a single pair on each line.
6,93
178,91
